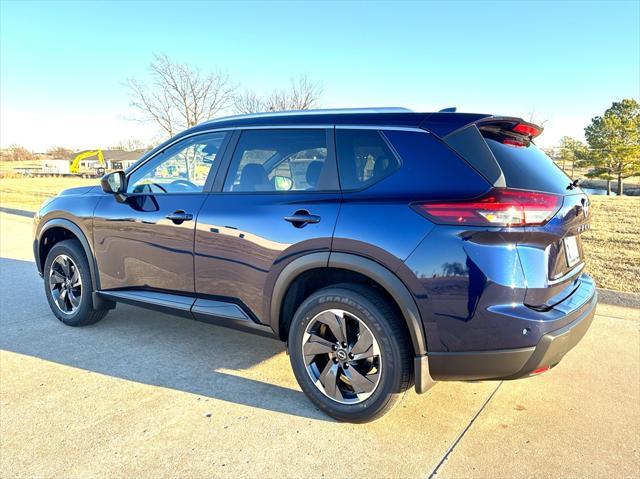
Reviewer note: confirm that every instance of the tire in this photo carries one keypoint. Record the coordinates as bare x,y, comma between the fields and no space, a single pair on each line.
70,252
391,373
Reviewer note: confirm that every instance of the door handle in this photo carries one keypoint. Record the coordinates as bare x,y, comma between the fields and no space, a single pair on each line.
301,218
179,217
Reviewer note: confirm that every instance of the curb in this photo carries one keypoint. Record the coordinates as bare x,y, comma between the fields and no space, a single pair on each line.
619,298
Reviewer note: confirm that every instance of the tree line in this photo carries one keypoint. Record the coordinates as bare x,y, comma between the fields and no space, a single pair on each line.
20,153
612,148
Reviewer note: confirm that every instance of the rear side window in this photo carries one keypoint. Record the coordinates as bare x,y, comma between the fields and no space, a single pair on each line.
281,161
364,157
529,168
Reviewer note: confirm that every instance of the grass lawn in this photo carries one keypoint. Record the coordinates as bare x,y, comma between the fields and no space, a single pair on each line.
25,193
612,246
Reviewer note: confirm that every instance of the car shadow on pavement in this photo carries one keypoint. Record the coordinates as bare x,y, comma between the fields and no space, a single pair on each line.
15,211
146,347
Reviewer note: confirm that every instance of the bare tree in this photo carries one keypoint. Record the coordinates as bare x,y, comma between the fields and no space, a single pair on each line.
60,152
179,96
535,118
248,102
302,95
130,144
17,153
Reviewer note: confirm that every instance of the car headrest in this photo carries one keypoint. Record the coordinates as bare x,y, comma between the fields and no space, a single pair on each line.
254,178
313,173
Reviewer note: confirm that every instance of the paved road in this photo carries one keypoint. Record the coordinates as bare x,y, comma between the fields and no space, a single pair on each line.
144,394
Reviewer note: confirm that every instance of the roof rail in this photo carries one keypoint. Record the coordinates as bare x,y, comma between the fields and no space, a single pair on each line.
329,111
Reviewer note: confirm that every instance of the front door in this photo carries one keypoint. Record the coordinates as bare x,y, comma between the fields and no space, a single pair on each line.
146,241
280,199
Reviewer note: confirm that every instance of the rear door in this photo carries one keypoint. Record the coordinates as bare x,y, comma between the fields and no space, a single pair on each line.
279,200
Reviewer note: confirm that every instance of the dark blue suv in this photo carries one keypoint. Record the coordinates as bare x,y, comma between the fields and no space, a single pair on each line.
387,248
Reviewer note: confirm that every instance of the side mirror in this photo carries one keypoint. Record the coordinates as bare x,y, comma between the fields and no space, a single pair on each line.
114,183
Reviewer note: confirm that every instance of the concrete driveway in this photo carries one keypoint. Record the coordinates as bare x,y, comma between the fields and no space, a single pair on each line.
142,394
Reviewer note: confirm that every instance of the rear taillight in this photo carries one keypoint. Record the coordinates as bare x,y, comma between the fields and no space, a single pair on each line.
499,207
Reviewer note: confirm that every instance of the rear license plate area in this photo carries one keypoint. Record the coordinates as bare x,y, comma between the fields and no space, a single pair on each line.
571,250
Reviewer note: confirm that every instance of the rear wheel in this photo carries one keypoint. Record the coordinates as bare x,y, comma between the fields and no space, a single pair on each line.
350,352
67,284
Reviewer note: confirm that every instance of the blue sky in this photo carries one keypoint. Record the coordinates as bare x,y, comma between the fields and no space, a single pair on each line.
63,64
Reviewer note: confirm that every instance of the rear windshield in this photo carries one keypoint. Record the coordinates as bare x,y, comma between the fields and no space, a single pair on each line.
528,168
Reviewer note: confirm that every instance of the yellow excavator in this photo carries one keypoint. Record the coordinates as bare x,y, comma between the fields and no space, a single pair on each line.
75,164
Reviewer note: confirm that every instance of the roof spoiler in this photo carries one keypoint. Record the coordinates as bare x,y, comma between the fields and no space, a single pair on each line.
443,124
509,130
466,134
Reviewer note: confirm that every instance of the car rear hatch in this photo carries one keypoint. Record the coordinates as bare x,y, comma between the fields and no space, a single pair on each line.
549,246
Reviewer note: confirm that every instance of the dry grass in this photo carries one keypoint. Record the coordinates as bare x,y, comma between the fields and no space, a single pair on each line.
26,193
7,167
612,246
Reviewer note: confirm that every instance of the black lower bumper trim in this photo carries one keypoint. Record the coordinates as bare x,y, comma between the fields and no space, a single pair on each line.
512,363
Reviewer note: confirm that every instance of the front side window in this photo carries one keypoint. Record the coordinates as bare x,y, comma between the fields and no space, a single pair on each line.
279,161
364,157
183,168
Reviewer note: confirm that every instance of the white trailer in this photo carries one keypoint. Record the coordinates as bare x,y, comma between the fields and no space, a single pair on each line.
55,167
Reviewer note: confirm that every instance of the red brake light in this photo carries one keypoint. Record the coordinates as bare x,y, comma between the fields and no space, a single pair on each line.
509,141
499,207
527,129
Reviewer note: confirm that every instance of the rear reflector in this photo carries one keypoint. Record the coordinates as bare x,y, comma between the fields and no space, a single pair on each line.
539,370
499,207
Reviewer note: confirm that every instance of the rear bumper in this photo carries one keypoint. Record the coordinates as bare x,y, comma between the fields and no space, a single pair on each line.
514,363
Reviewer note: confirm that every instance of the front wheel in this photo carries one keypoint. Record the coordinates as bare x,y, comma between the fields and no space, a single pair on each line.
350,352
67,285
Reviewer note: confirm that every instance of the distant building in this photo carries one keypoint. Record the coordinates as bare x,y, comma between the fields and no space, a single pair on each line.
120,159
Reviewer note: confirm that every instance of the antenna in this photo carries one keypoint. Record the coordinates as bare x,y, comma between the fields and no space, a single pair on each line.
451,109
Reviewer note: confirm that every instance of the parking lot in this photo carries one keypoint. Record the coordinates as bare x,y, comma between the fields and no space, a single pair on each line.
143,394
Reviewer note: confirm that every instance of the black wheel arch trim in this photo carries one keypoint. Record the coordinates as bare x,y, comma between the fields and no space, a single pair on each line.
375,271
73,228
359,264
290,272
392,284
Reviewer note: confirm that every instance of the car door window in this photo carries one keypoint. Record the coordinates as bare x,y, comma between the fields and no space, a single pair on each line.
280,161
182,168
364,158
